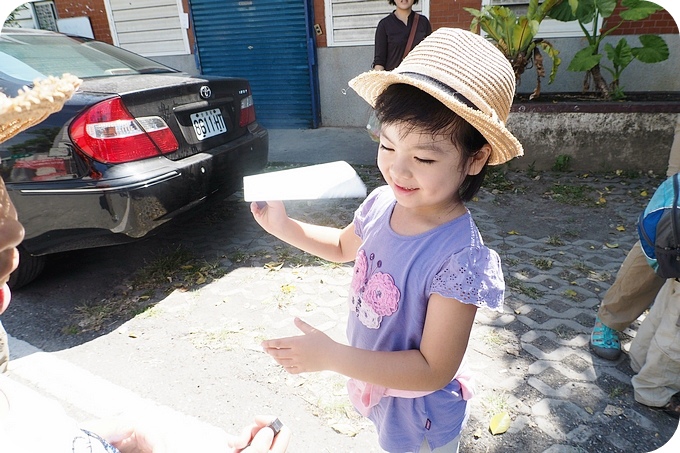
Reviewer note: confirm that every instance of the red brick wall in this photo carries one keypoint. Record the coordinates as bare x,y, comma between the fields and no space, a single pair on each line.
660,22
94,9
319,18
450,13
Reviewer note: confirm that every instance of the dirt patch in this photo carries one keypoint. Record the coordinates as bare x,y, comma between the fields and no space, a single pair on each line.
568,206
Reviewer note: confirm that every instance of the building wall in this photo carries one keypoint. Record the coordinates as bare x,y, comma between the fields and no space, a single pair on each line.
661,22
94,9
447,13
341,106
320,20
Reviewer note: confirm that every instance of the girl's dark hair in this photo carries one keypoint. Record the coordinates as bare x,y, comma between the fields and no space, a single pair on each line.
402,103
391,2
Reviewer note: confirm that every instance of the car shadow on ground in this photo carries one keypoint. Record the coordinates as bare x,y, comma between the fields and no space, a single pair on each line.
84,294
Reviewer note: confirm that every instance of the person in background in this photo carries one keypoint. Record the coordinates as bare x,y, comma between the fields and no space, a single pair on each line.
30,422
392,34
655,350
421,269
634,289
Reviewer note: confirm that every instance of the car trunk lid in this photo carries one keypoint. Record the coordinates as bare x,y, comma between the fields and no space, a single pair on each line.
202,112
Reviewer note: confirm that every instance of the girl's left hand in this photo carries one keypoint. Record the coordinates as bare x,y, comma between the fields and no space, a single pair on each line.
304,353
271,215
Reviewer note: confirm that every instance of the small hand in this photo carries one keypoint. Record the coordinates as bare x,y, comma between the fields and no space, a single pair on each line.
128,435
271,215
140,442
258,437
304,353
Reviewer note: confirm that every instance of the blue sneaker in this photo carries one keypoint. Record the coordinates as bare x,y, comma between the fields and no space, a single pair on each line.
604,341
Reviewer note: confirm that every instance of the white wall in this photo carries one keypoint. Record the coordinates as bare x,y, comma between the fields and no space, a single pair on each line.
341,106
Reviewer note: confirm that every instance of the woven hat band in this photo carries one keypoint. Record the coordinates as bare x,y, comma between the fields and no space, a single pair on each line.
469,64
442,86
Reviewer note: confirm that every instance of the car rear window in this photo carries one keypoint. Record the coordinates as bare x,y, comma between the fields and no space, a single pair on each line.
26,57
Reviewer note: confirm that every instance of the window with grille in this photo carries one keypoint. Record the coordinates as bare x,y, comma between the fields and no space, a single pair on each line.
45,15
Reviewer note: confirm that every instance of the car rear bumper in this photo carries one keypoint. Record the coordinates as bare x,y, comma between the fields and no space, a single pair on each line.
119,208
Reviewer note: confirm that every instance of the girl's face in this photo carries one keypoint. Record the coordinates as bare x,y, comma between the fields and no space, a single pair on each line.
425,172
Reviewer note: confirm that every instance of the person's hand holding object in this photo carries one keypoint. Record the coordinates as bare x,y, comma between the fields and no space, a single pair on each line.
266,435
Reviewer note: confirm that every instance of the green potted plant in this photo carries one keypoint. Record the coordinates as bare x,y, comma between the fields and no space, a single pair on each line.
515,36
591,60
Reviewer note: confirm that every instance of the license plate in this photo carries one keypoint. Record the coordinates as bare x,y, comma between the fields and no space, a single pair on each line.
208,123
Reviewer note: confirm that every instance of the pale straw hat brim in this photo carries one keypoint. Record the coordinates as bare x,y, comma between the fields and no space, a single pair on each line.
443,67
35,104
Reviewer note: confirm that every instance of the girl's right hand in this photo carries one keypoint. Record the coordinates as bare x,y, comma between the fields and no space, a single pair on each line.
271,215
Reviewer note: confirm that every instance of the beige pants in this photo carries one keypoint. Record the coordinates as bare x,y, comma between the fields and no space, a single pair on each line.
655,351
633,291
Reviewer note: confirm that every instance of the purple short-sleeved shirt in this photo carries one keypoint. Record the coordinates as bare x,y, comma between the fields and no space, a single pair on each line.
394,276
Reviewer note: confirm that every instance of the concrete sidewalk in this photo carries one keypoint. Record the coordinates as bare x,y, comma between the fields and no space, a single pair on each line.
325,144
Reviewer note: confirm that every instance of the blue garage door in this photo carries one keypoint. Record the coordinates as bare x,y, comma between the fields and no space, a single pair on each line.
270,43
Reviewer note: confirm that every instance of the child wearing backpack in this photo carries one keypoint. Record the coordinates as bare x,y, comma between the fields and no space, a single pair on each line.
655,350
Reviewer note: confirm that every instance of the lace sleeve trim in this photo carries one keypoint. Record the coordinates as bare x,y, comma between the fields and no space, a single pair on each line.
473,276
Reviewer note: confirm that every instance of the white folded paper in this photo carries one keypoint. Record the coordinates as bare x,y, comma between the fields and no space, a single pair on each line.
314,182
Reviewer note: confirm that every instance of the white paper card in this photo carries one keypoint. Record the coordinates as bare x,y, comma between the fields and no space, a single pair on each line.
314,182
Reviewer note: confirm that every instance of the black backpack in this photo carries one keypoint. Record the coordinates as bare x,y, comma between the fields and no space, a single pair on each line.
659,229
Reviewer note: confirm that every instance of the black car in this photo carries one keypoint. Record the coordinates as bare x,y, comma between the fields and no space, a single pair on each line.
136,145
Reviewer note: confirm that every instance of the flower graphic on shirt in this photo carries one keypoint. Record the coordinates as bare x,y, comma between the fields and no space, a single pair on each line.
369,318
382,294
374,296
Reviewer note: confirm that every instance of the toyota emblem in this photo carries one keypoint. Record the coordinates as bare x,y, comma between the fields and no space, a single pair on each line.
205,92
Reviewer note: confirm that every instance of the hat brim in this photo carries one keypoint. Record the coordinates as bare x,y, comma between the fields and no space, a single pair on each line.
31,106
504,145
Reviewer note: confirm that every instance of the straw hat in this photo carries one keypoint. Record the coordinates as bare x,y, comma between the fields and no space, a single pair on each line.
466,73
33,105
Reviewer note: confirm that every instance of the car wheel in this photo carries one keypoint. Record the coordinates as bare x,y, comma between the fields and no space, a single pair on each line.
30,267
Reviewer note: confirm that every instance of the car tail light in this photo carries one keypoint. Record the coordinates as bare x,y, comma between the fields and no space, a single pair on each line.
247,111
108,133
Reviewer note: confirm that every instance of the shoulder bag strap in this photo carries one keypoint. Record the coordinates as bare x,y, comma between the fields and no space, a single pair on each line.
674,220
411,35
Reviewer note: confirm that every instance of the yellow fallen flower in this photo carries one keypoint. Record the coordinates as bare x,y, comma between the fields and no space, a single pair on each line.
499,423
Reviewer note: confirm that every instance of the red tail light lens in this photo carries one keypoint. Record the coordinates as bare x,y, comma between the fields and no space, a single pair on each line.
108,133
247,111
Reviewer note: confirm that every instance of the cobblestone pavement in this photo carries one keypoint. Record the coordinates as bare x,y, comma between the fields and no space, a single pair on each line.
561,237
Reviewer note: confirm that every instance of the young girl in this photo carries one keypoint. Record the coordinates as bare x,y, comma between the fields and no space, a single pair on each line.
421,269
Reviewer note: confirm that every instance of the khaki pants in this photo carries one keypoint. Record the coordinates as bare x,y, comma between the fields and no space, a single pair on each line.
655,351
4,350
633,291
